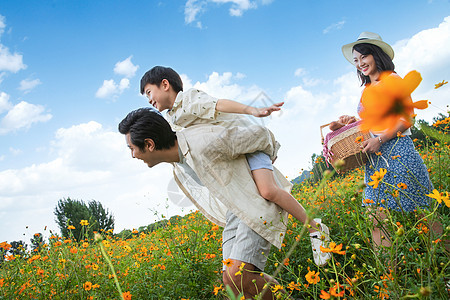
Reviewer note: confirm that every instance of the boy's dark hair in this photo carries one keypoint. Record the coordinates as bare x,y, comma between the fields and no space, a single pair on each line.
156,74
382,60
145,123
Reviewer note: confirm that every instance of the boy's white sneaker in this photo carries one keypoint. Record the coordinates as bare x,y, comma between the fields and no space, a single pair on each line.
320,238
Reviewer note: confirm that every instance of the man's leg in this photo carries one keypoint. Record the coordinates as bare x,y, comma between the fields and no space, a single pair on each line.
246,252
245,278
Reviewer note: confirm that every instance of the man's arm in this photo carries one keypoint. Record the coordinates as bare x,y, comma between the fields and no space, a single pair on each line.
230,106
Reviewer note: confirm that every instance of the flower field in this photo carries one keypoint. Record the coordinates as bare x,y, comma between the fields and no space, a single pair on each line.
182,260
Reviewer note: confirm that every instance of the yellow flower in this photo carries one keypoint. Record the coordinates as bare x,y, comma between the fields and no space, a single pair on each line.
438,85
440,197
312,277
217,289
389,101
84,223
277,288
70,227
377,177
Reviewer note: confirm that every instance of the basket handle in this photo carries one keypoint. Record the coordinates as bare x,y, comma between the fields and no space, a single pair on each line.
321,133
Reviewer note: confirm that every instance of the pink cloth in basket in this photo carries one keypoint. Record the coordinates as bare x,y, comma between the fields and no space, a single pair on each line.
327,152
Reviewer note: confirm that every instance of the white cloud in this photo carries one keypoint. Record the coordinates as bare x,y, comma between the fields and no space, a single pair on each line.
110,89
2,24
126,68
27,85
10,62
22,116
223,86
333,27
300,72
15,151
86,162
5,105
193,8
428,52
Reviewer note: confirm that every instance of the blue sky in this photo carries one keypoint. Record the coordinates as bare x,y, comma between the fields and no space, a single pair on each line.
70,71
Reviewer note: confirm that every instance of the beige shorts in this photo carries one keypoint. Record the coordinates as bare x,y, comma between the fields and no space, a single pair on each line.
240,242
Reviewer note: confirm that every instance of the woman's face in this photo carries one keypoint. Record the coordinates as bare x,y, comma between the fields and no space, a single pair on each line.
366,64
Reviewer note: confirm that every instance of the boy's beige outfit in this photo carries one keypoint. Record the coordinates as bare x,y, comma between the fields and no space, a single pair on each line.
214,145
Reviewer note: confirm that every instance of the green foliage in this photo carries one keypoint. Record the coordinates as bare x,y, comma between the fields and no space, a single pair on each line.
37,242
102,219
72,212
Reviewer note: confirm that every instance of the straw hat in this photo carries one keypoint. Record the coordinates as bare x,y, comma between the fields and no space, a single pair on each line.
368,38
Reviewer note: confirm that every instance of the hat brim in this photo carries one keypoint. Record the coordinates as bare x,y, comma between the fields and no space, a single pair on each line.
347,50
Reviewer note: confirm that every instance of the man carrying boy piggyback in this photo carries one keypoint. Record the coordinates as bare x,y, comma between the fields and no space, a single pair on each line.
227,150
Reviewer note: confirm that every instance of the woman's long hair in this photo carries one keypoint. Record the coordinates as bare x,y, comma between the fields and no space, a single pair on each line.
382,60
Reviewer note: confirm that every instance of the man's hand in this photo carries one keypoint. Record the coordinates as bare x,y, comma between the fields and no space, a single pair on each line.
266,111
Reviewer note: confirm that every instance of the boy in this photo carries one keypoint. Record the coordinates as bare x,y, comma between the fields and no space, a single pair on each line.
164,89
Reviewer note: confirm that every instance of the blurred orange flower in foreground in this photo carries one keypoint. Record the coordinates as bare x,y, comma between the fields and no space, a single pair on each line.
389,101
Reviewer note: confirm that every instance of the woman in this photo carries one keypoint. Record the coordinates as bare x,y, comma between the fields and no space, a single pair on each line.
406,181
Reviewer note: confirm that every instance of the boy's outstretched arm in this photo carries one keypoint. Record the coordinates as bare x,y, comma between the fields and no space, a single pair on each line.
230,106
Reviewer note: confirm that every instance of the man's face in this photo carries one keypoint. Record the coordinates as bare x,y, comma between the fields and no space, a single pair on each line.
147,156
158,96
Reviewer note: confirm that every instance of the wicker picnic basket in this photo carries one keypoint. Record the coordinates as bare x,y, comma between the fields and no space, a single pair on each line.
342,144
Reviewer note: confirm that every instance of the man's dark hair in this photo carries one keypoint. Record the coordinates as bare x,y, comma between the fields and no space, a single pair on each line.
156,74
382,60
145,123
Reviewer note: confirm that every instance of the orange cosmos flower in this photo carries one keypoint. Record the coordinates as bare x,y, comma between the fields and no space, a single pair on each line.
377,177
334,290
126,295
332,247
87,286
402,186
324,295
70,227
228,262
5,245
389,101
359,139
312,277
438,85
293,286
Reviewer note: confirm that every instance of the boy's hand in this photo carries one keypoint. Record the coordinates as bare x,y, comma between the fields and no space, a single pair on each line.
266,111
346,119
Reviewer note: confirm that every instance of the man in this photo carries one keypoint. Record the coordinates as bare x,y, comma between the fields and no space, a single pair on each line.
211,169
